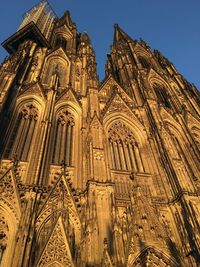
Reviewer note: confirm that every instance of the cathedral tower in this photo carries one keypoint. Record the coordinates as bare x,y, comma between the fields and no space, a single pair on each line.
95,174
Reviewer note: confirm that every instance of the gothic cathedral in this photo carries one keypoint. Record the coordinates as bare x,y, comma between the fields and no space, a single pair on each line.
95,174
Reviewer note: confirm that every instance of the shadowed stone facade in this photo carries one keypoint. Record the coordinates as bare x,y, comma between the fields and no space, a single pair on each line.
95,174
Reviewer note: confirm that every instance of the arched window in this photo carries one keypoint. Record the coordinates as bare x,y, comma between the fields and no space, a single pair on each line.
22,133
162,95
124,150
60,68
3,236
144,62
64,139
61,42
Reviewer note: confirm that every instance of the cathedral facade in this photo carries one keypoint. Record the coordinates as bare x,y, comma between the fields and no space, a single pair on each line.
95,174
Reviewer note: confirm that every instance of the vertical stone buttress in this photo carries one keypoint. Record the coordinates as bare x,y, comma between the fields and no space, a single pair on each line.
95,174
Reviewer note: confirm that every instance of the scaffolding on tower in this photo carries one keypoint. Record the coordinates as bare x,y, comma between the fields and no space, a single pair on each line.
43,16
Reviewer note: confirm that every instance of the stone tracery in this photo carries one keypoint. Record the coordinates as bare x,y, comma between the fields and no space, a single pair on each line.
59,66
124,150
162,95
64,138
56,251
22,133
122,121
3,235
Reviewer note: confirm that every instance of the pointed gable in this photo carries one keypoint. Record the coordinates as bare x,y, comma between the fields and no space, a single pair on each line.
153,76
147,230
117,104
34,89
57,59
60,198
167,114
109,87
120,35
192,120
95,122
56,249
9,194
152,257
68,96
58,52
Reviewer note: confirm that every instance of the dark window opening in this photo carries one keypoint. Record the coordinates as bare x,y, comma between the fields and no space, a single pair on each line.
162,96
144,62
61,42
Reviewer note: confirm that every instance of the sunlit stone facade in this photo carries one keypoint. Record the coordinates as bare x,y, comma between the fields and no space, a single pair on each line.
95,174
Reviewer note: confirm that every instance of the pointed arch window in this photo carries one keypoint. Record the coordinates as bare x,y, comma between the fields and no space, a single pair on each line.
64,139
162,95
124,149
21,136
181,150
3,236
58,67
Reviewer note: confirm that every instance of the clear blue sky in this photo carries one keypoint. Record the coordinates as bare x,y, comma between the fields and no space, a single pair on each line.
170,26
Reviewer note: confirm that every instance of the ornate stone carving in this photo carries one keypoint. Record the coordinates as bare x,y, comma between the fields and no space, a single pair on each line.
116,104
59,202
91,68
57,249
85,163
9,194
120,131
65,117
3,234
152,257
29,111
36,65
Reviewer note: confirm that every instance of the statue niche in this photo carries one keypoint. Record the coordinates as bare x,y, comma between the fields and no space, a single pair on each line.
60,67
